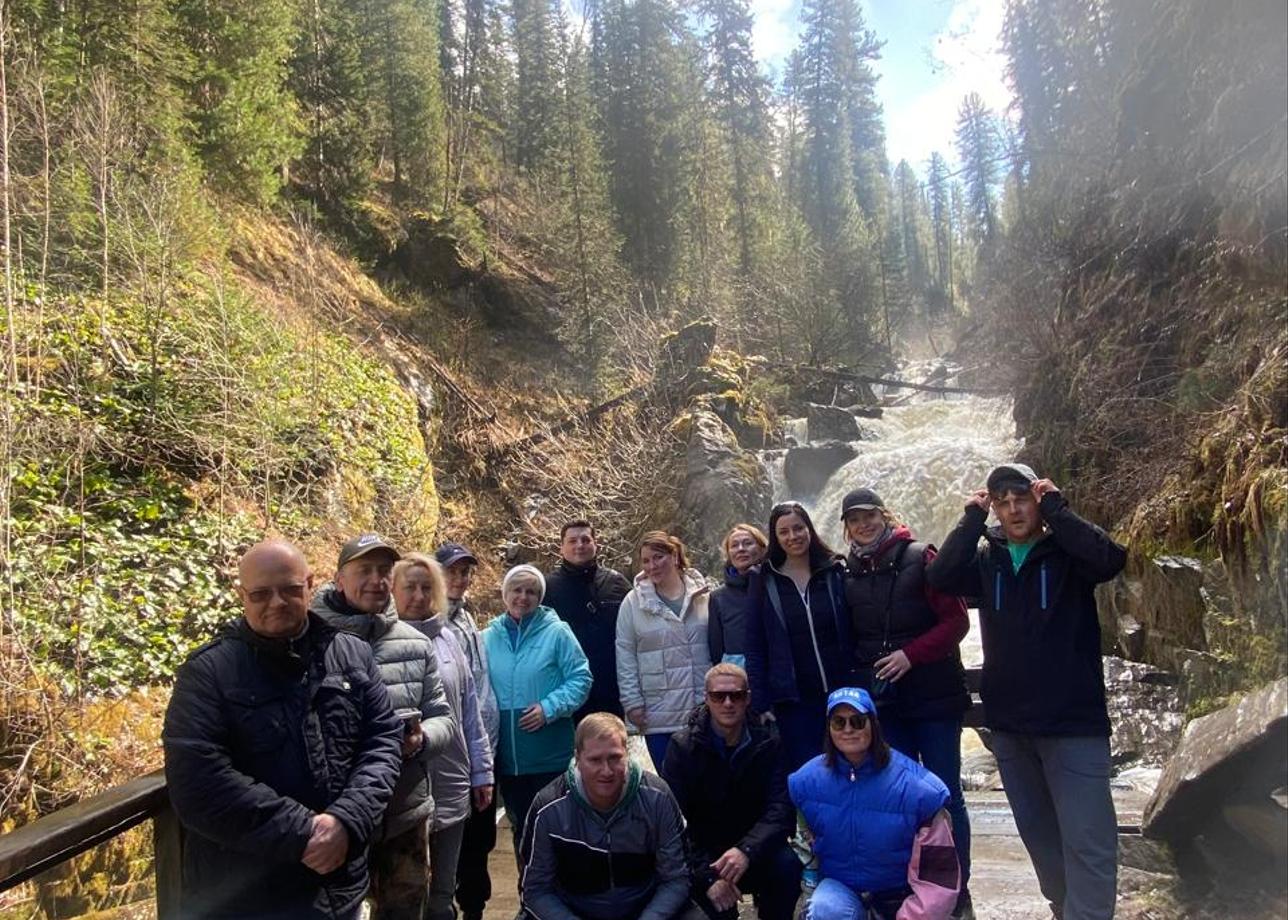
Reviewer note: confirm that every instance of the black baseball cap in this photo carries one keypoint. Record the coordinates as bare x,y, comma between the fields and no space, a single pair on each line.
1011,475
452,553
860,500
363,544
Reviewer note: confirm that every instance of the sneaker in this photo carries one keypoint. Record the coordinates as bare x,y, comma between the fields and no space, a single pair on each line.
965,909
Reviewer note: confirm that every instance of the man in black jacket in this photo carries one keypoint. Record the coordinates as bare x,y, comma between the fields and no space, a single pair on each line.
587,595
281,752
730,779
1043,683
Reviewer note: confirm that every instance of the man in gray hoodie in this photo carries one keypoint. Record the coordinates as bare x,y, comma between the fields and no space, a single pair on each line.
360,602
605,841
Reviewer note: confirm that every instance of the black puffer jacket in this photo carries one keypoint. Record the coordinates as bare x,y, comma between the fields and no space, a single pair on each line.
1041,634
588,598
732,801
727,614
260,736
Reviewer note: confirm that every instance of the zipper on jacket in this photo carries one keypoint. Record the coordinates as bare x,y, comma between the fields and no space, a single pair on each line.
514,682
997,589
1044,587
813,638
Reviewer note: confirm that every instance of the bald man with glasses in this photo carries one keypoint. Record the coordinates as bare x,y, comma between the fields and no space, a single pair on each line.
728,774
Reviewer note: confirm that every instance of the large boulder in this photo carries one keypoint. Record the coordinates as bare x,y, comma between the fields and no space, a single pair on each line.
1146,712
723,485
831,423
1225,773
430,255
807,469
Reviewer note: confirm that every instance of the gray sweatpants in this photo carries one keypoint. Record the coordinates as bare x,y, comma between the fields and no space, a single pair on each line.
1058,788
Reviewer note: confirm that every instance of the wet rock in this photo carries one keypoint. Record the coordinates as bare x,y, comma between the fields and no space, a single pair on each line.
831,423
1137,852
1231,758
723,485
808,468
865,411
1145,711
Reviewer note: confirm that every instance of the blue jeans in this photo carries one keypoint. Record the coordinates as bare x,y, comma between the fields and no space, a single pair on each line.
1058,788
833,900
937,744
657,743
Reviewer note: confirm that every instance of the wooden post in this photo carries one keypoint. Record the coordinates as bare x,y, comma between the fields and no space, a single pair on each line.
167,848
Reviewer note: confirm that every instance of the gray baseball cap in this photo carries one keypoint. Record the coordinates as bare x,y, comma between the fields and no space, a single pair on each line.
1011,474
363,544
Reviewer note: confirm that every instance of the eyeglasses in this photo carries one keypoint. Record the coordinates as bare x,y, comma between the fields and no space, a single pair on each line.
726,696
264,595
858,722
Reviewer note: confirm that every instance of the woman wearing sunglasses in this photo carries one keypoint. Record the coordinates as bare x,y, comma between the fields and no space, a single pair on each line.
799,644
906,639
878,821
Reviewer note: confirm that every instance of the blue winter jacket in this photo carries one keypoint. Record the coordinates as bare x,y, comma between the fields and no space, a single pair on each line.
864,820
537,660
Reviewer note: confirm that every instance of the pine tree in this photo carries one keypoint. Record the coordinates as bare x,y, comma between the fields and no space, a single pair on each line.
941,231
978,149
247,124
537,91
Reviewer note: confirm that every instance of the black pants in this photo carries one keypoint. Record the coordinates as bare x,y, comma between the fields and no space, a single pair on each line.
517,793
473,884
773,881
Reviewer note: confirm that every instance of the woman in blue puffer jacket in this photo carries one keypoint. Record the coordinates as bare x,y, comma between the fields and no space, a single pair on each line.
878,822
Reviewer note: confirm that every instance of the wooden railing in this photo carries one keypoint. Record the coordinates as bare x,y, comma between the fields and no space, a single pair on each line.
68,832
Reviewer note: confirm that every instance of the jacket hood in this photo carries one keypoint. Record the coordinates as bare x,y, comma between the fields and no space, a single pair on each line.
332,607
735,579
694,585
634,774
579,571
830,562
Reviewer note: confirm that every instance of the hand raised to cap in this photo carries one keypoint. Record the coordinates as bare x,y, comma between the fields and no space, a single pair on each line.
980,499
1042,487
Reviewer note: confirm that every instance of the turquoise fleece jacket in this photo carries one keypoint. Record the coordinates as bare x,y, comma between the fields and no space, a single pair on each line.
537,660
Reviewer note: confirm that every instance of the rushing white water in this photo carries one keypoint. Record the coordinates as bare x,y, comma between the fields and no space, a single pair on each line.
929,454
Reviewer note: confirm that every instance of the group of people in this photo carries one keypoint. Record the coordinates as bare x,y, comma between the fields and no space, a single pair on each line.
803,717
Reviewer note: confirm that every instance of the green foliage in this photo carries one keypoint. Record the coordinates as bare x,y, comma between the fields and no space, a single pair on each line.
147,458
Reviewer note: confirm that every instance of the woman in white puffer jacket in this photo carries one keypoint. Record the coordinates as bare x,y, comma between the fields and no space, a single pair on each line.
662,649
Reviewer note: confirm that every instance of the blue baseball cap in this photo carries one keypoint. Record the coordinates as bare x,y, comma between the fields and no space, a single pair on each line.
851,696
451,553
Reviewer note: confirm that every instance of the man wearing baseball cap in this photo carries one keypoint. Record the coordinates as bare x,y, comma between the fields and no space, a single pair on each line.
473,883
360,602
1043,684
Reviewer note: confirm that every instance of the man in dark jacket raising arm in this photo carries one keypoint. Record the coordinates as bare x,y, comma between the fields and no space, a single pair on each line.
281,752
1043,683
730,779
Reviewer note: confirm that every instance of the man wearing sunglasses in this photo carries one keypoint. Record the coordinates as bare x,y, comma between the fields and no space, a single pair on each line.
728,774
281,752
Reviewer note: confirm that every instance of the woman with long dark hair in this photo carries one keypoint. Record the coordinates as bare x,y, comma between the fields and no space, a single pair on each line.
877,822
799,612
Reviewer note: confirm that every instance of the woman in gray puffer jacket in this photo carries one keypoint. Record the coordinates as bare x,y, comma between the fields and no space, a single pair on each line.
360,602
464,770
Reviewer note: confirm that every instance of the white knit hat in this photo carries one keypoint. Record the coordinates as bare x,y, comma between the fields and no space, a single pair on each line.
525,570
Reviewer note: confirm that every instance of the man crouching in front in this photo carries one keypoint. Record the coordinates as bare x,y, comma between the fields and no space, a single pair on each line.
605,841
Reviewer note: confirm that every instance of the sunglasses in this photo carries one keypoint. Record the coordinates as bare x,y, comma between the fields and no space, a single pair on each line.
858,722
288,592
726,696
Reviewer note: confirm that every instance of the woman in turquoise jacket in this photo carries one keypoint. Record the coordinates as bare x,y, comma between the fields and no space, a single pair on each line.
541,677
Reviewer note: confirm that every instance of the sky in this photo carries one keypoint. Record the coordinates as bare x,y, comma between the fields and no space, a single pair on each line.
936,52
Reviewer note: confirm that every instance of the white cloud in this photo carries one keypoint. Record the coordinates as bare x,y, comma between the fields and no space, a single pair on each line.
967,57
775,30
